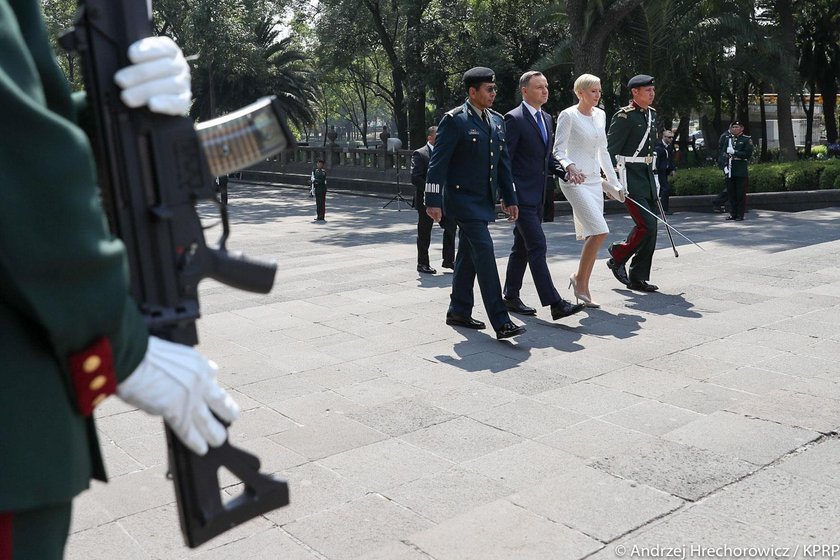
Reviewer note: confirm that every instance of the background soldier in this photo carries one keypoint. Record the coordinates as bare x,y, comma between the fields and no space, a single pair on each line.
419,169
736,149
318,182
632,134
469,168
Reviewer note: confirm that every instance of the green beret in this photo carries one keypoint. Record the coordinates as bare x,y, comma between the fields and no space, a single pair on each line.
640,80
474,77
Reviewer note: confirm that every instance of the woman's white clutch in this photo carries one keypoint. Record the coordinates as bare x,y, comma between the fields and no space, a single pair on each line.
615,192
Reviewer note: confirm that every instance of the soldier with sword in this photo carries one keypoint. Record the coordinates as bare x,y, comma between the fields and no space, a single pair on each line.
630,142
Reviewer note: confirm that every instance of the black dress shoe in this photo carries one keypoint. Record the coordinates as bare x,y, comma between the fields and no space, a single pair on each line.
448,264
508,330
739,219
642,286
461,321
730,218
425,269
515,305
564,308
619,271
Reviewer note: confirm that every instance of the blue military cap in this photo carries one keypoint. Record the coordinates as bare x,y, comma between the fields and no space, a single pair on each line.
640,80
474,77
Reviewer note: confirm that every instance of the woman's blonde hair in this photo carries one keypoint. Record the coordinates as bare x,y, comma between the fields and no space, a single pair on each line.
585,81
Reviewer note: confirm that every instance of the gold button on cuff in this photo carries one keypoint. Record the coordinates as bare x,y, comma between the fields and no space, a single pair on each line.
91,364
98,382
99,398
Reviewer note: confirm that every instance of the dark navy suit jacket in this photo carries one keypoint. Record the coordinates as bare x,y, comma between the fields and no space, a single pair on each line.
469,168
532,161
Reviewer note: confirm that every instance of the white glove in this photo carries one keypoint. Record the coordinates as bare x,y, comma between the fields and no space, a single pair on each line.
312,190
730,150
159,77
178,383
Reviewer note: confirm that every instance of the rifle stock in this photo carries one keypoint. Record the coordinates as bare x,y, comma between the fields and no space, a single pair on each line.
152,170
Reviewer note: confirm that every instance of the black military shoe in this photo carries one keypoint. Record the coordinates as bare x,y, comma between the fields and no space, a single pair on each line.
564,308
460,321
508,330
619,271
515,305
448,264
425,269
642,286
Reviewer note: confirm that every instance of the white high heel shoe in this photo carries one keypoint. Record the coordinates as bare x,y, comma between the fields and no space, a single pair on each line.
587,301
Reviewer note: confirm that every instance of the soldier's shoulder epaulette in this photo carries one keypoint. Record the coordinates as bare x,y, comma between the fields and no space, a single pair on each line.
498,114
622,113
746,136
456,111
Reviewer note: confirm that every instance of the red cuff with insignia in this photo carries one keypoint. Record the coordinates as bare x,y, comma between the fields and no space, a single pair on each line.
92,371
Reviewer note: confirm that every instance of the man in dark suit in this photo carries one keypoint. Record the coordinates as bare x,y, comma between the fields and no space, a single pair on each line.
665,167
530,139
419,168
468,170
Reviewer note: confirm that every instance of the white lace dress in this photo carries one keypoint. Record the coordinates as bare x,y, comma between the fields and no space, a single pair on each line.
582,140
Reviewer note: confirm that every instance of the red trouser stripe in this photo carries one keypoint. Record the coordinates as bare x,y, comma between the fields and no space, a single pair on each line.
5,536
621,252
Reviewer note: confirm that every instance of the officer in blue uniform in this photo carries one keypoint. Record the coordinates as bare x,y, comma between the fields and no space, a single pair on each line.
469,169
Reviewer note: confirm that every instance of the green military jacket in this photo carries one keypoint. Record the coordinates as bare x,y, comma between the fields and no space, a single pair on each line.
740,159
627,129
63,279
319,180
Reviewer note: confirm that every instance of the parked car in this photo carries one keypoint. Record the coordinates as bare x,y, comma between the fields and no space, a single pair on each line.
696,138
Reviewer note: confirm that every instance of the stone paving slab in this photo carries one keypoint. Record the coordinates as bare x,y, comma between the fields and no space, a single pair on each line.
703,414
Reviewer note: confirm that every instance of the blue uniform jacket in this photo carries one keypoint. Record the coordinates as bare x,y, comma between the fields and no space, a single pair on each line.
470,166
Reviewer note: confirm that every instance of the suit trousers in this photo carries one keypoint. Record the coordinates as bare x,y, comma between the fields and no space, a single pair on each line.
320,205
664,191
424,236
640,243
529,250
476,258
35,534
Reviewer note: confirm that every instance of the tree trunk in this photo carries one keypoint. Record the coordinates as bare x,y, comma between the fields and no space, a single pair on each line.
809,115
787,144
763,111
681,137
828,87
590,36
414,80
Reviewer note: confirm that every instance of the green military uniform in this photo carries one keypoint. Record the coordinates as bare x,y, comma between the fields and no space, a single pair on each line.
70,330
627,131
736,170
319,189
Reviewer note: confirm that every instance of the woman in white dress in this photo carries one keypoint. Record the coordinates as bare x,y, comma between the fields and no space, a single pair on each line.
581,146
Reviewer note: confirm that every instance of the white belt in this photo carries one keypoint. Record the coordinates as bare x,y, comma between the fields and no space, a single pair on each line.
632,159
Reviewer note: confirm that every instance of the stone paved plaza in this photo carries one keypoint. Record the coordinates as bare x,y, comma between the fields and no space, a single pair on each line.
705,415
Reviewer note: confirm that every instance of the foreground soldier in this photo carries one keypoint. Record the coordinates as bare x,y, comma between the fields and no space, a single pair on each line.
632,135
469,168
71,334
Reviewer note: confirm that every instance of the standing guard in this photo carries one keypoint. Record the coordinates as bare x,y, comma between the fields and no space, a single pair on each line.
736,149
630,141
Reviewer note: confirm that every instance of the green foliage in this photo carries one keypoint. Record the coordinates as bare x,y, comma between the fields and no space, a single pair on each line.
764,177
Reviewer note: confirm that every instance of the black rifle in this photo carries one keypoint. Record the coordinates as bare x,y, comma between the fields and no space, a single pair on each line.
152,171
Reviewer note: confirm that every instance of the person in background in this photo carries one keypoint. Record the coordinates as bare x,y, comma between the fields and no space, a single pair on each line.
665,168
736,149
419,169
318,189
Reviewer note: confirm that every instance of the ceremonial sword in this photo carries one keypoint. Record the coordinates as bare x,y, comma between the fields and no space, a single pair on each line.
664,222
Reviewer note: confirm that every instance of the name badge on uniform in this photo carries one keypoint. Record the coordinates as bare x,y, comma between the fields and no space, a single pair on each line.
473,132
